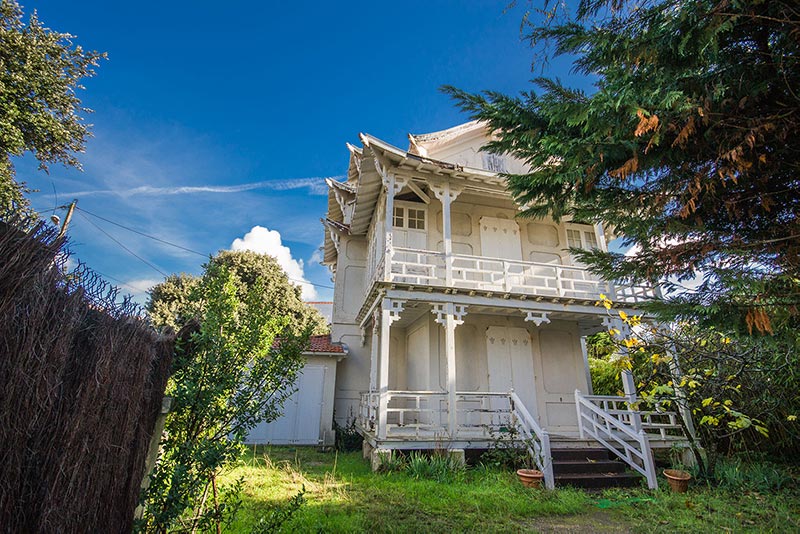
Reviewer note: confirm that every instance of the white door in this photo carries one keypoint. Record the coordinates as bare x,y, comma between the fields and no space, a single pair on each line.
409,224
510,362
500,240
409,231
560,371
302,412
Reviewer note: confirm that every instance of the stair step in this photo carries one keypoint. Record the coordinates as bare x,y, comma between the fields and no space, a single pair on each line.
582,454
586,467
598,480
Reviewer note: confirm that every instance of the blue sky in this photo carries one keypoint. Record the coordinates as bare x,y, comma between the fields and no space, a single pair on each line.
211,119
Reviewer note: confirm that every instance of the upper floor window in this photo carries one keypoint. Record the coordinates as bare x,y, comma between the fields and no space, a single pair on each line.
410,218
584,239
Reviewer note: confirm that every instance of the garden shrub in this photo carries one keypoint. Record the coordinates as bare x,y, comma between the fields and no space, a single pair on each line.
348,438
605,377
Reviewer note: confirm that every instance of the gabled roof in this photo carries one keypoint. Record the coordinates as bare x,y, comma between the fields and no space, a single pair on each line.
422,144
363,186
323,345
342,186
419,167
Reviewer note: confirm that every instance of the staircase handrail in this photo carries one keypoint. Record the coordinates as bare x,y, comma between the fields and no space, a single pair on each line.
603,434
537,439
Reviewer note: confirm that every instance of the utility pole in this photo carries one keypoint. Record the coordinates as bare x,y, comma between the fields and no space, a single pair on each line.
67,218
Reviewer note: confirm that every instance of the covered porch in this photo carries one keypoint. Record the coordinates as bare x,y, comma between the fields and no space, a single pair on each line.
459,375
427,356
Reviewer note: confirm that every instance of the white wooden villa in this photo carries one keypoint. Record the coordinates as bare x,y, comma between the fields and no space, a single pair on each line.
463,320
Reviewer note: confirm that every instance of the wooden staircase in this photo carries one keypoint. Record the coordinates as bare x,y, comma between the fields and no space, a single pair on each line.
591,468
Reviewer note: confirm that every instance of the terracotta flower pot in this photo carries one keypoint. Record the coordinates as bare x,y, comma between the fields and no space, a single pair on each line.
530,478
678,480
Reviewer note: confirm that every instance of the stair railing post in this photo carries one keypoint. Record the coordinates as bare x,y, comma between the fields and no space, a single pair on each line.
580,416
629,387
547,462
649,463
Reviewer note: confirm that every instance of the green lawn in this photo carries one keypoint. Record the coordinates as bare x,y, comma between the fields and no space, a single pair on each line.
343,495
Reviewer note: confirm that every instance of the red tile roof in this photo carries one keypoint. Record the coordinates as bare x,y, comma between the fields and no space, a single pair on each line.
319,344
324,344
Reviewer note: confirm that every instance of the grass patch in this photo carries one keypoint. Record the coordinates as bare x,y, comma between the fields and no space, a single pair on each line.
705,509
343,495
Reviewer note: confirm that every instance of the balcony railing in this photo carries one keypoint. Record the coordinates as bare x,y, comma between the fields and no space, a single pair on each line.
429,268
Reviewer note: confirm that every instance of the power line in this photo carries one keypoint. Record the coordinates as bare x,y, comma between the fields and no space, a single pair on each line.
166,243
142,233
132,253
126,284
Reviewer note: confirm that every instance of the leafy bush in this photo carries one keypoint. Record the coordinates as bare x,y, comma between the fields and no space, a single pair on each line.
605,377
228,375
505,451
278,516
348,438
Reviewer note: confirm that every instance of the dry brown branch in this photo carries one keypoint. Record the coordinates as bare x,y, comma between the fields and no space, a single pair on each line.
82,377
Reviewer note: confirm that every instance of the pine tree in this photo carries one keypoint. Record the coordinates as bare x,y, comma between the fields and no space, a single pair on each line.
689,147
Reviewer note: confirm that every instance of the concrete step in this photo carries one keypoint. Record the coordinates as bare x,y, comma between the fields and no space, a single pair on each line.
598,480
592,466
579,455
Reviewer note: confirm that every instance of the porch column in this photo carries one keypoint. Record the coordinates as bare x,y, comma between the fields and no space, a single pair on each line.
450,315
446,196
373,352
629,388
585,352
390,312
628,382
392,185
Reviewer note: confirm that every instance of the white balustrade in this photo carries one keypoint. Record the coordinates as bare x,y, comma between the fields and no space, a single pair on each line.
481,416
368,411
425,267
620,431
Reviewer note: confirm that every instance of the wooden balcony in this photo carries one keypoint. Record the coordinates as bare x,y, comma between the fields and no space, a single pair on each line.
497,275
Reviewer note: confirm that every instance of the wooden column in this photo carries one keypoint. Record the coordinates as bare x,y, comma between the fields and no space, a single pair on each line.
446,196
373,352
392,186
628,381
585,353
450,315
601,236
629,388
390,312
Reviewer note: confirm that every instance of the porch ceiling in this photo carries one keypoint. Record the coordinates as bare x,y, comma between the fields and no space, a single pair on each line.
414,309
581,310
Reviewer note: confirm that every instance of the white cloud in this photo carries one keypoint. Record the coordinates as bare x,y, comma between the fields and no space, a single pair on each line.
266,241
316,257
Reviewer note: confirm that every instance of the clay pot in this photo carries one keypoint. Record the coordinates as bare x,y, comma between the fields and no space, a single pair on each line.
530,478
678,480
